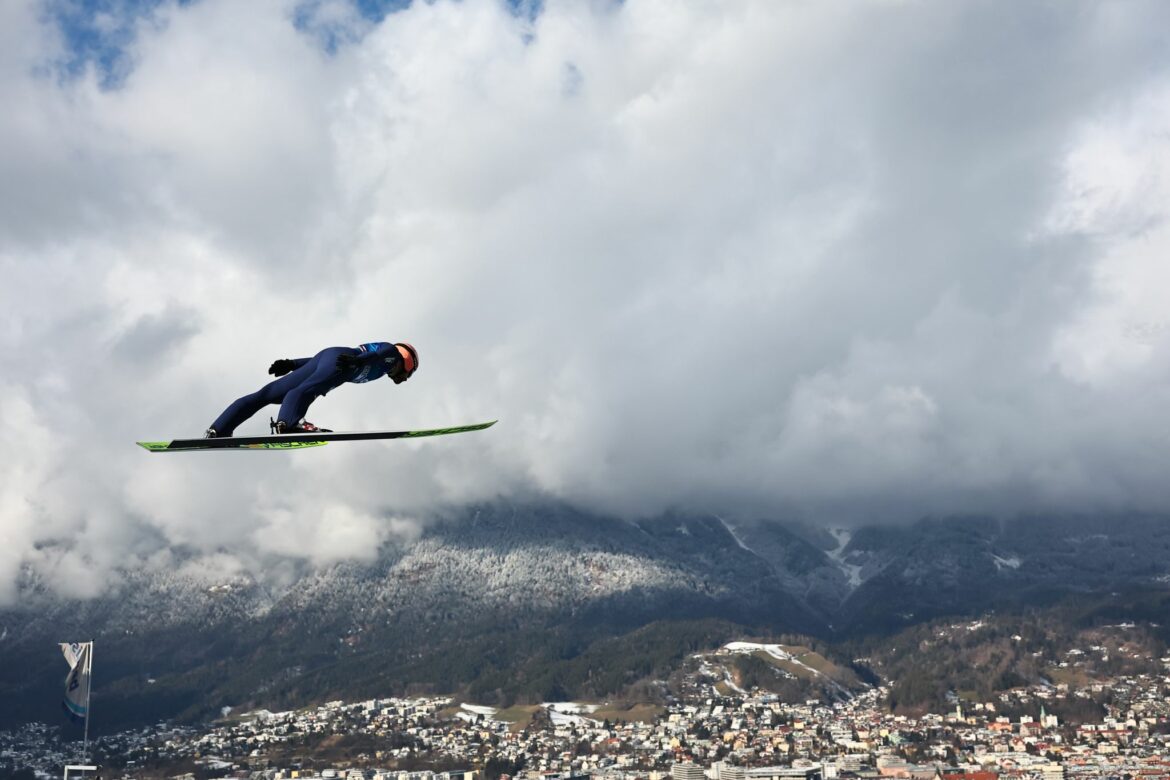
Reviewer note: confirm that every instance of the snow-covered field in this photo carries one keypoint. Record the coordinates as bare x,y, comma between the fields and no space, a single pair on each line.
568,713
469,712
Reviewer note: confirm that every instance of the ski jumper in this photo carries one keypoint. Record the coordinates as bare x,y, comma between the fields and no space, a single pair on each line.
311,378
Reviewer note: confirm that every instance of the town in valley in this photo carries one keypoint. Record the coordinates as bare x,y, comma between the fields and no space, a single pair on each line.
713,731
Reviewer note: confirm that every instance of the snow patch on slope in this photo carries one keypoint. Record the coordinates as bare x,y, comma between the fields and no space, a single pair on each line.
851,570
780,654
731,683
1006,563
734,536
777,652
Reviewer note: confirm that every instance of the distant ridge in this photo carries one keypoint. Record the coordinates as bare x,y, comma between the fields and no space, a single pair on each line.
544,602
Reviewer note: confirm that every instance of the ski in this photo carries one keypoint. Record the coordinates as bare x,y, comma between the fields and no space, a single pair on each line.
296,441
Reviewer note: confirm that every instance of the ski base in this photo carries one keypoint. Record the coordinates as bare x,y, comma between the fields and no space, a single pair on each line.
179,445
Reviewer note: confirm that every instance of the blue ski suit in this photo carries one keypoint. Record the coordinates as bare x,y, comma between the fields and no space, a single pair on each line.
311,378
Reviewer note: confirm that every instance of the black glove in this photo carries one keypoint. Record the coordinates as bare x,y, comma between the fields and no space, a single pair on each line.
346,362
282,367
397,370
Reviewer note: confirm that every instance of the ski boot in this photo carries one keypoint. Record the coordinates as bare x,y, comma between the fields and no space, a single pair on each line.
304,426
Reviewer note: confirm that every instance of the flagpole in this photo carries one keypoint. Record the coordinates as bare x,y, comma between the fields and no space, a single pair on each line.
88,691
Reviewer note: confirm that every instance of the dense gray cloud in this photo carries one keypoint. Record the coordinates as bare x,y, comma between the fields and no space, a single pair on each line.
832,260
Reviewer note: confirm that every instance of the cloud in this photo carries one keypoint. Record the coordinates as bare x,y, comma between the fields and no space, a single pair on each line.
330,534
850,262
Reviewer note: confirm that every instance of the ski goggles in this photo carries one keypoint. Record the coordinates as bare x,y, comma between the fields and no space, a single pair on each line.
403,369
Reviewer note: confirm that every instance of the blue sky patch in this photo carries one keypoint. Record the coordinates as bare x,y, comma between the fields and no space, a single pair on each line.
332,34
98,34
377,10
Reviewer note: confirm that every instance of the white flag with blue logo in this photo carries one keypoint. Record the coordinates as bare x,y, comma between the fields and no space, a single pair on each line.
79,655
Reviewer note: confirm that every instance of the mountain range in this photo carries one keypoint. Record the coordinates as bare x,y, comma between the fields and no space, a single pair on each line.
509,603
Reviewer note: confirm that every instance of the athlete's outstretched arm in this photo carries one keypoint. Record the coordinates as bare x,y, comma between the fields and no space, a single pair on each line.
285,365
382,351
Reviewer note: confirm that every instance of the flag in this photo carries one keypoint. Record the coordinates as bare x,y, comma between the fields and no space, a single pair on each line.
79,655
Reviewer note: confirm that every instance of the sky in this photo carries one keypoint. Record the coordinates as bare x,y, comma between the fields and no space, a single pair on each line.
840,262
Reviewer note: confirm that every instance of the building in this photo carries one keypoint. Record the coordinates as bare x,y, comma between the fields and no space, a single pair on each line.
805,769
725,771
687,771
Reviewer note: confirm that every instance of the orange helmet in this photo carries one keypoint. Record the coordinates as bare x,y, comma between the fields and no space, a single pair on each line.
409,358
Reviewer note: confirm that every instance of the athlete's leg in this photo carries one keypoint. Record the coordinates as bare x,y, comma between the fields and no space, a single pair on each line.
272,393
323,378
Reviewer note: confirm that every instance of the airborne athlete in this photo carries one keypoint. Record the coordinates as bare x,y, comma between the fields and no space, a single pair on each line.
302,380
299,383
